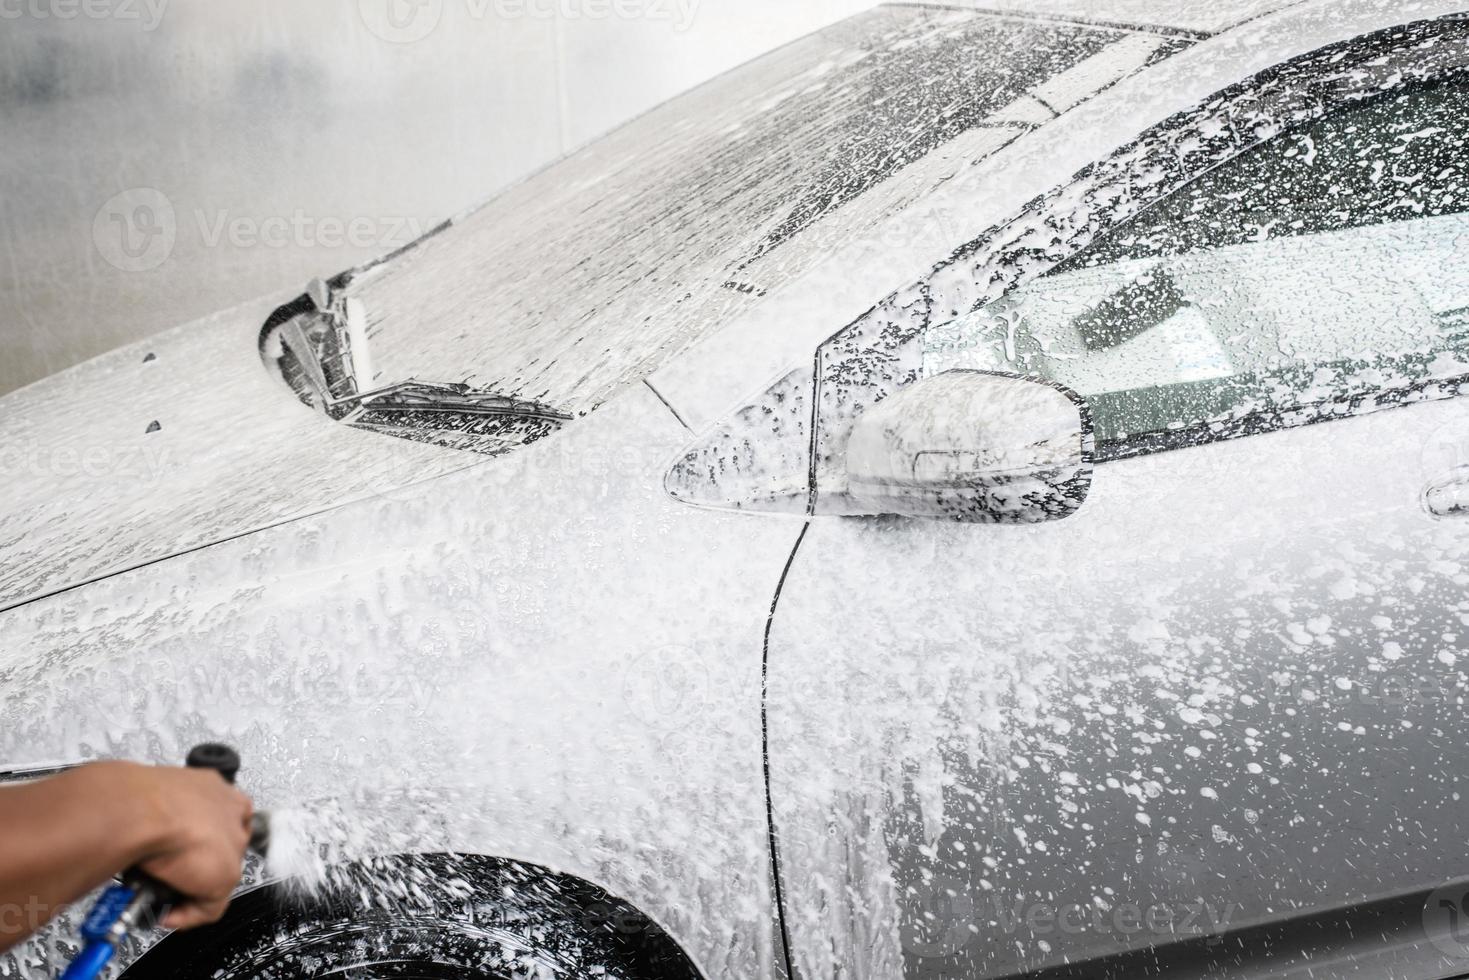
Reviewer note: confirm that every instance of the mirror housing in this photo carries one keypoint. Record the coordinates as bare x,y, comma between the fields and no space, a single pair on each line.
971,446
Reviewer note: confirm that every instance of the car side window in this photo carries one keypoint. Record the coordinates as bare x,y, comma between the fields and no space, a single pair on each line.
1322,272
1393,159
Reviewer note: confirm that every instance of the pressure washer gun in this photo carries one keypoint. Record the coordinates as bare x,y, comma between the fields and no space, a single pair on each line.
141,901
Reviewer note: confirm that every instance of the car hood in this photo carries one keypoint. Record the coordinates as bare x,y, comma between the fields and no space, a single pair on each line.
170,445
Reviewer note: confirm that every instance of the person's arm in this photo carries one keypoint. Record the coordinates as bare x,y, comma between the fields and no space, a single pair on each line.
64,836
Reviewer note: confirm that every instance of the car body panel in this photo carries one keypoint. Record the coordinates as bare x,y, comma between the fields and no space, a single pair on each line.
1054,718
434,657
90,491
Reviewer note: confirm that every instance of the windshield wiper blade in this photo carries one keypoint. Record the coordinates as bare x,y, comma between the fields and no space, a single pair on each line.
422,396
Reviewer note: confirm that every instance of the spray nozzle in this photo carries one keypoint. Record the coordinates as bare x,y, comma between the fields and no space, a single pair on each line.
260,833
226,761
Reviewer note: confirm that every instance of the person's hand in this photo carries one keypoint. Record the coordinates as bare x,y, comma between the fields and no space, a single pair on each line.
65,836
202,828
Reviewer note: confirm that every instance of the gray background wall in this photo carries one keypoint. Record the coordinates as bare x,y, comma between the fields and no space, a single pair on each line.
166,158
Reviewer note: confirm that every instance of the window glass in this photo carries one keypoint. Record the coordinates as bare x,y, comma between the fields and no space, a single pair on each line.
1391,160
1320,273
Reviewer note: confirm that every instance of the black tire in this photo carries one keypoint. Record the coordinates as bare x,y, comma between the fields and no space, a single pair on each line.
444,917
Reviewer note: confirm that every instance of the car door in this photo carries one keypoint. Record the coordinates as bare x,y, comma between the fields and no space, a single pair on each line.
1226,697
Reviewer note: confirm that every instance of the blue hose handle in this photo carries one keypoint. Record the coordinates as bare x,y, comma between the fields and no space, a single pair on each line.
101,933
90,962
116,914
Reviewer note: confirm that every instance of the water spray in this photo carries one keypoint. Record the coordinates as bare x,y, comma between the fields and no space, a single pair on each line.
139,900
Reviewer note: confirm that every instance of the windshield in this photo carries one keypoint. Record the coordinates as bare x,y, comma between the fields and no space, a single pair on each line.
588,276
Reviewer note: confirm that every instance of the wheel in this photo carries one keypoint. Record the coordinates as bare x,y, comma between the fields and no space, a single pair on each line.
426,917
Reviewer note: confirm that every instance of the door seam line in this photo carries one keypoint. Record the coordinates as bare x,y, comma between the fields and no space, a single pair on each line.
780,914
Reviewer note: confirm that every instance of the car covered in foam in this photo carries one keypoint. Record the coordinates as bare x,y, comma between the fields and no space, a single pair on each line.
973,493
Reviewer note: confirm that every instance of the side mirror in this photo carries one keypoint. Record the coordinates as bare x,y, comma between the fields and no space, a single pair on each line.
972,446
